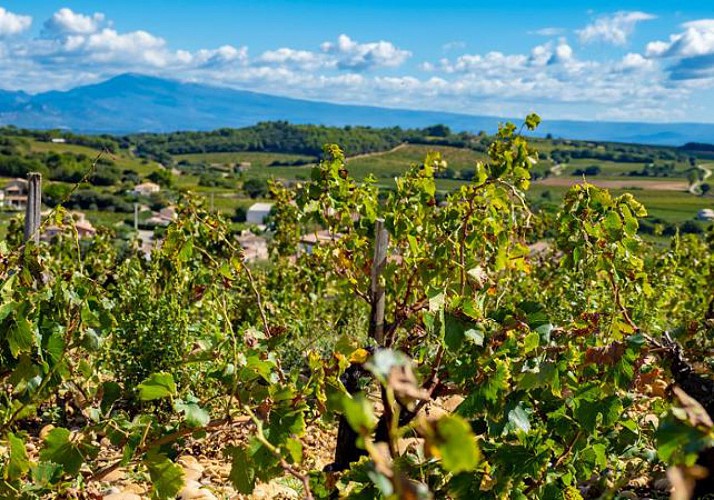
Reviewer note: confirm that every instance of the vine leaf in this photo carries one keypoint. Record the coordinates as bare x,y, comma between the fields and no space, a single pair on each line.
167,478
451,439
242,473
195,415
157,386
18,464
60,449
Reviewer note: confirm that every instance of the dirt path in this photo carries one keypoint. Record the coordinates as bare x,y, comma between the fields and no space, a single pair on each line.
617,184
695,187
378,153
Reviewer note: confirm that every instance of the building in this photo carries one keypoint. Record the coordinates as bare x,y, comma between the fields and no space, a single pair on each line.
164,217
258,212
309,241
15,194
84,228
146,188
254,247
706,214
58,140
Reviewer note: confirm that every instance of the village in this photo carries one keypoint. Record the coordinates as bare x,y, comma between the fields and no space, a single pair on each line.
253,239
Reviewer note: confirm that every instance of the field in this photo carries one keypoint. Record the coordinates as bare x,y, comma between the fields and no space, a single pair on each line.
665,197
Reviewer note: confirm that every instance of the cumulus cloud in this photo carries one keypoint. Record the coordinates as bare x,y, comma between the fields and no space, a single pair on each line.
77,48
615,28
355,56
691,52
303,59
13,24
67,22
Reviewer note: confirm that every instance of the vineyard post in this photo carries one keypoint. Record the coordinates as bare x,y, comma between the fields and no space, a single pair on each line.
32,210
346,450
376,321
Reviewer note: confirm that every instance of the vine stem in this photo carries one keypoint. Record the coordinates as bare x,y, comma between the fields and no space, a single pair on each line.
168,438
258,298
260,436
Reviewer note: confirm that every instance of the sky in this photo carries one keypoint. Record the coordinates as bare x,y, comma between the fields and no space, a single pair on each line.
625,61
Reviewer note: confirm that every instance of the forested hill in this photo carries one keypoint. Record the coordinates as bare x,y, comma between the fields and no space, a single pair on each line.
308,140
133,103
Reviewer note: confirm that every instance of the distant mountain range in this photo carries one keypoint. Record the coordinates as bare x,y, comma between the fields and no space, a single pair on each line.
135,103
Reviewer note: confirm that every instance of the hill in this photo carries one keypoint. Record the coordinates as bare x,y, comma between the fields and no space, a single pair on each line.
133,103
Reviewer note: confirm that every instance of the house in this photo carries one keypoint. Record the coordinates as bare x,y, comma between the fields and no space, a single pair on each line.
15,194
706,214
254,247
146,188
84,228
58,140
163,218
258,212
309,241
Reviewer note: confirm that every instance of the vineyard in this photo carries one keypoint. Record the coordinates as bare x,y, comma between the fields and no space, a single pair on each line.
471,347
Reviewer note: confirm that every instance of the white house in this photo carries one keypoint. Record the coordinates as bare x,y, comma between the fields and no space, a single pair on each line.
15,194
58,140
258,212
705,214
146,188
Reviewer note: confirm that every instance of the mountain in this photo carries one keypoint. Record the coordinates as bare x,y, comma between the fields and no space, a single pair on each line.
137,103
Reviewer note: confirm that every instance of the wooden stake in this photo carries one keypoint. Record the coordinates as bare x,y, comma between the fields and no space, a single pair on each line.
376,322
32,210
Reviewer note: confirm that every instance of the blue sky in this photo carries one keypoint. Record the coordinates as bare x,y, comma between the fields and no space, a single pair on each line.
642,61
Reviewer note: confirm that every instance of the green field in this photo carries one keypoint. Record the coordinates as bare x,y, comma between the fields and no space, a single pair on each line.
671,205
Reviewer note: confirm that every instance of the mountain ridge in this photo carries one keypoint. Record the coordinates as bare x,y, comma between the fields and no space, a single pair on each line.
131,103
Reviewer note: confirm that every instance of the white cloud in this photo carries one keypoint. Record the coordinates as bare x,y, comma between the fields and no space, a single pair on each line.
697,39
355,56
615,29
550,31
13,24
67,22
78,48
454,45
691,52
303,59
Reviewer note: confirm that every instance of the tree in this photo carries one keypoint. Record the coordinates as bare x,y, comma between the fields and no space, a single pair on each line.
255,188
162,177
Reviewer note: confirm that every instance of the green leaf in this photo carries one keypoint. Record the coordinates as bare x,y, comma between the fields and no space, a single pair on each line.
456,444
358,412
455,331
20,337
46,473
59,449
18,463
157,386
111,392
518,419
242,473
294,447
167,478
531,342
194,415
